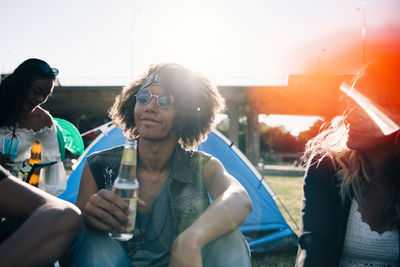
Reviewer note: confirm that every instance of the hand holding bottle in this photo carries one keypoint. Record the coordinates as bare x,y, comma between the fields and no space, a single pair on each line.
106,211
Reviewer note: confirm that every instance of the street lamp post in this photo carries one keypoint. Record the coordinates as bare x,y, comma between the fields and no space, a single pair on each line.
362,9
319,58
363,31
132,38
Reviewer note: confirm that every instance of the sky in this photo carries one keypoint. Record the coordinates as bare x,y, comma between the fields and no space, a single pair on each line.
232,42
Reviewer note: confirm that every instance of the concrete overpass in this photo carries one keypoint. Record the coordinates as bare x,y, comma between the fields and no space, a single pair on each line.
314,95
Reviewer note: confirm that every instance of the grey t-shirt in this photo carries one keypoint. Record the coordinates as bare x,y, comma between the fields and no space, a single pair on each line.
154,234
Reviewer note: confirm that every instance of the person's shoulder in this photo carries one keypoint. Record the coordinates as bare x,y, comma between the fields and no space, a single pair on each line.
322,163
189,158
198,154
213,166
40,119
107,153
210,164
198,157
322,168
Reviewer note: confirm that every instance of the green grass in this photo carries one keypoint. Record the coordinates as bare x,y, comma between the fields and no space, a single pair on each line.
289,191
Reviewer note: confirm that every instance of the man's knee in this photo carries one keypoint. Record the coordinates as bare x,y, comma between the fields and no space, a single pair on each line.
230,249
96,248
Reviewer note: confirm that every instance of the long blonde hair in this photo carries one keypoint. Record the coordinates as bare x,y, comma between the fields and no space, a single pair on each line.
352,167
197,101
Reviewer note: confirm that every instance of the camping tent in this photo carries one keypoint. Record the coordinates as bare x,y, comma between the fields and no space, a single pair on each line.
265,228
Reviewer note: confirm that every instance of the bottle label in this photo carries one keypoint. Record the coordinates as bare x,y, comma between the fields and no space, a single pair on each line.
132,214
129,156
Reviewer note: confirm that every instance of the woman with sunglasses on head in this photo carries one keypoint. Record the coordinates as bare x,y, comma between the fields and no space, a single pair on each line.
23,121
170,110
351,205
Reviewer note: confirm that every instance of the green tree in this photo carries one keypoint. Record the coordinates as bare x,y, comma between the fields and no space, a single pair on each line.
313,131
278,139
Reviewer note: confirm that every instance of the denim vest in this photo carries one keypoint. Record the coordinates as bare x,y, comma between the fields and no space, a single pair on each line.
187,193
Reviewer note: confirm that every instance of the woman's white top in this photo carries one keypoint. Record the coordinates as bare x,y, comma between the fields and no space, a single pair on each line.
364,247
53,178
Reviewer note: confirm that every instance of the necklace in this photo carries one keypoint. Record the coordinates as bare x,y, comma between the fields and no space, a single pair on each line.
143,232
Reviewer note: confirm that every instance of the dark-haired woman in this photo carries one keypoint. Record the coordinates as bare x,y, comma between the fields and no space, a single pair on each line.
23,121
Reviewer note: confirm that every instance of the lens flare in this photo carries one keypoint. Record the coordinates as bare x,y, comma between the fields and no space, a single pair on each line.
385,124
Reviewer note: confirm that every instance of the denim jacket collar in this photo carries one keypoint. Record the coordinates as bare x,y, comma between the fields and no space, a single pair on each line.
181,170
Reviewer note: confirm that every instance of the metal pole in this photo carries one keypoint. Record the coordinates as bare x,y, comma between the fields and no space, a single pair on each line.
364,31
319,58
132,36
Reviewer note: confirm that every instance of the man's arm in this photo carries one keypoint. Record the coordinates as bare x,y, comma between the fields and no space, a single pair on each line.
229,210
50,226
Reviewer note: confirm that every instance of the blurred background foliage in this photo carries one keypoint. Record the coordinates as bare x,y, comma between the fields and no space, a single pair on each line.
274,140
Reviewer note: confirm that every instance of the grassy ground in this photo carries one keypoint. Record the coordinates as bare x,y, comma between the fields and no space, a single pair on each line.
289,191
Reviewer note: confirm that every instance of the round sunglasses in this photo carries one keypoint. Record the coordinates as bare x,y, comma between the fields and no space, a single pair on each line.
164,100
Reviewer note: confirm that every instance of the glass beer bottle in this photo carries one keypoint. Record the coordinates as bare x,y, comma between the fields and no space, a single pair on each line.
126,186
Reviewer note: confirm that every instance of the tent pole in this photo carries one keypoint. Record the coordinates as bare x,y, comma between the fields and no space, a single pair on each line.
290,216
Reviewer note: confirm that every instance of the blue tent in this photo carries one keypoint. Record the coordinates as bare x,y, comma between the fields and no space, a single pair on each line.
265,229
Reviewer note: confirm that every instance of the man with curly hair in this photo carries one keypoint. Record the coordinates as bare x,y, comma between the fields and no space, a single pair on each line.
170,110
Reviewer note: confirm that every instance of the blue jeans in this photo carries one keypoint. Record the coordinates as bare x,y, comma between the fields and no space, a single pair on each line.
96,248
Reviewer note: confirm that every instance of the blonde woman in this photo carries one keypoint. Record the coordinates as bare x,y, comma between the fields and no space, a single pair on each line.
351,206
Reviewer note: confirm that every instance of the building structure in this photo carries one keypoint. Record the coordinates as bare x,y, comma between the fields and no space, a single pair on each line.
309,95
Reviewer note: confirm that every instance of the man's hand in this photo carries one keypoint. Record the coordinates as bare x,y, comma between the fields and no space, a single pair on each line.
106,211
186,251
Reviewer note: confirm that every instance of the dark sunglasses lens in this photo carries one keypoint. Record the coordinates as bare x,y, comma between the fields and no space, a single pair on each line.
164,100
143,96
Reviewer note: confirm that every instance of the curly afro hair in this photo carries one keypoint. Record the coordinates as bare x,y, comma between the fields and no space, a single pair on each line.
197,102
